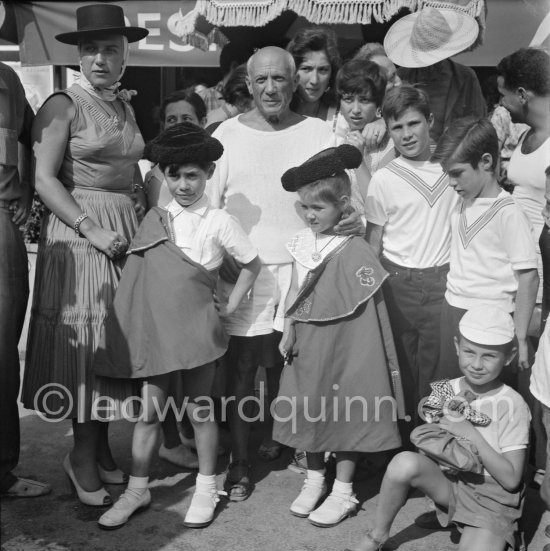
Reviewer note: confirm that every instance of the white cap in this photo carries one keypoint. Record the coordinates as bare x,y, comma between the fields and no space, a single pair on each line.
487,325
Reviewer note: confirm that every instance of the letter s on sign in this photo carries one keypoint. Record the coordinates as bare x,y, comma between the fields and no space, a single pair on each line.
172,25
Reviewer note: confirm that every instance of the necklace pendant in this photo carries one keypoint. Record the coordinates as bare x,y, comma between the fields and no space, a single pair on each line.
316,257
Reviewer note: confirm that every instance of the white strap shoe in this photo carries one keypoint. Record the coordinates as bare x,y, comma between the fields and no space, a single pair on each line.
310,495
203,505
123,509
334,510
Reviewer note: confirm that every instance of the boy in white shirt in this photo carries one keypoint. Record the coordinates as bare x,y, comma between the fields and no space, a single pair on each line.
164,328
407,207
493,257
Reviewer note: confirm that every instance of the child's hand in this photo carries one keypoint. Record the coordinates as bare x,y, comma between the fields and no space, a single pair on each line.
286,346
459,427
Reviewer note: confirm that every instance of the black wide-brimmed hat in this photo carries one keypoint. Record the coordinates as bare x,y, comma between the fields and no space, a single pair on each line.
101,19
182,144
325,164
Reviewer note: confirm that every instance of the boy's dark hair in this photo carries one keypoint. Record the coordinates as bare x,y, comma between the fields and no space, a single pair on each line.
465,141
235,88
362,77
401,98
187,95
174,167
330,189
528,68
317,40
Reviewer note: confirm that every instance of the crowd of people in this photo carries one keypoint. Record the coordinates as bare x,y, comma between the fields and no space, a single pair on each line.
344,225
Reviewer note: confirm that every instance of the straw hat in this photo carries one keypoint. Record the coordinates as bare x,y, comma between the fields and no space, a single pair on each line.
429,36
101,19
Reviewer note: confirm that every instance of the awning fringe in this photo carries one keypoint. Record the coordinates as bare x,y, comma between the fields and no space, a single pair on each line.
233,13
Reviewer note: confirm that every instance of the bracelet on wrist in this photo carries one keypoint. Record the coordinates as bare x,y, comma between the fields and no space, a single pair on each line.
79,221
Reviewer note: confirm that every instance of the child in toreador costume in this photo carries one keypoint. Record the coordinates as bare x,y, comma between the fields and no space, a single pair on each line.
165,317
339,386
486,507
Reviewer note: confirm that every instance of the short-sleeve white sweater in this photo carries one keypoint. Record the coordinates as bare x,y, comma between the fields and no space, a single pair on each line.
247,180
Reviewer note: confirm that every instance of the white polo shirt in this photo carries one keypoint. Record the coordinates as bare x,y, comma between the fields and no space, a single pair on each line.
203,233
491,239
412,200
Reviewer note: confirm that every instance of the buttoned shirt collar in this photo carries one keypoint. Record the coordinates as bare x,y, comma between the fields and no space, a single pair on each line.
199,207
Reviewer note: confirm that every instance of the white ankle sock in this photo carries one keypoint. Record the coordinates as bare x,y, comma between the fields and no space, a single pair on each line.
138,484
344,488
206,480
315,476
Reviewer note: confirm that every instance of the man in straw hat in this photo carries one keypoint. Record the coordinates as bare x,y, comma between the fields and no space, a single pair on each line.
15,196
422,44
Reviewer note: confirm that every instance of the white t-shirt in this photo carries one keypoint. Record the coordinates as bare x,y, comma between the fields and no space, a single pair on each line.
247,180
526,173
540,372
491,239
412,200
510,418
204,233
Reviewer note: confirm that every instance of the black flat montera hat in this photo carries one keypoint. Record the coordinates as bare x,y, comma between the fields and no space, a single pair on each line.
325,164
183,143
101,19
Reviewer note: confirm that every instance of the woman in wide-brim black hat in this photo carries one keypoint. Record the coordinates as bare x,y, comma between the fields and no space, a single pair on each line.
86,145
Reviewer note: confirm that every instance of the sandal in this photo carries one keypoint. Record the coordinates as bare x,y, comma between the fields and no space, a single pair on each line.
270,451
379,544
24,487
238,488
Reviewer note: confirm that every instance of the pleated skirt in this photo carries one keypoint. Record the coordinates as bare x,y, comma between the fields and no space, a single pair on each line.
74,288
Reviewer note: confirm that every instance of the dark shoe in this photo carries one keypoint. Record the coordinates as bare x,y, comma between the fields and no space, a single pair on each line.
24,487
237,485
428,520
270,451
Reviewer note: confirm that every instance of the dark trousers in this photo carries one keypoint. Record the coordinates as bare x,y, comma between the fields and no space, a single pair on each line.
414,298
14,292
448,357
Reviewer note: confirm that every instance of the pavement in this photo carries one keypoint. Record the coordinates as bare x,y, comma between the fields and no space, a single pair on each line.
59,522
